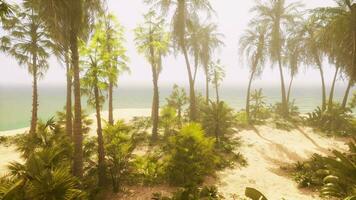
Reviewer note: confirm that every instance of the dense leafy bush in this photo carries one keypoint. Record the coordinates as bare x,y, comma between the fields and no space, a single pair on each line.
335,120
218,120
169,121
120,143
334,175
258,108
190,156
192,193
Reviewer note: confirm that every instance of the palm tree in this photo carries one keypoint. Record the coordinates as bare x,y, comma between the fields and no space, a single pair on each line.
94,83
217,75
115,57
210,41
5,10
184,11
339,37
78,15
276,15
153,41
312,50
28,43
253,47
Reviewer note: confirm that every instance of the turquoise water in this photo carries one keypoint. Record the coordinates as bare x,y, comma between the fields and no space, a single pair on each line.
15,102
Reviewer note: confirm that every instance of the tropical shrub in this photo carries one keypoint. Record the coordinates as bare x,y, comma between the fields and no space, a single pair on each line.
335,120
190,156
178,100
218,120
241,120
192,193
293,110
258,108
120,143
169,121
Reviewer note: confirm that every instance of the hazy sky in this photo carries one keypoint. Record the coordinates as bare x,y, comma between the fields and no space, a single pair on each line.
232,18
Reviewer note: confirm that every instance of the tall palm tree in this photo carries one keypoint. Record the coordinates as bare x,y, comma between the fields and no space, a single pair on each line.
312,50
253,47
152,40
115,56
211,40
184,11
217,75
276,15
94,83
339,37
78,15
29,44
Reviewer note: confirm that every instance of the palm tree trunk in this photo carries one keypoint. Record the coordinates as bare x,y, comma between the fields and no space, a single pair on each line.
290,88
323,88
77,128
192,99
283,89
101,152
69,122
217,93
111,109
155,105
248,96
331,96
34,117
206,71
346,96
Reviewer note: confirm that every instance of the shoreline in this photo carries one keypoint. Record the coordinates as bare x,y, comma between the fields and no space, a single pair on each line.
125,114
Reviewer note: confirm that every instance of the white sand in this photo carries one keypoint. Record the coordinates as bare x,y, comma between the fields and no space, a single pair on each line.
266,150
8,154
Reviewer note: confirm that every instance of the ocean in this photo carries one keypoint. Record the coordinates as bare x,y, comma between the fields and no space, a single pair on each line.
15,102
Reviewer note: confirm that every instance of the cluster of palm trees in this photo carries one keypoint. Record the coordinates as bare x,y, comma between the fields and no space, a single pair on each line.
197,42
81,34
282,35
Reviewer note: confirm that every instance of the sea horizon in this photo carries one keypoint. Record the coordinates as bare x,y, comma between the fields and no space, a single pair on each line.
15,101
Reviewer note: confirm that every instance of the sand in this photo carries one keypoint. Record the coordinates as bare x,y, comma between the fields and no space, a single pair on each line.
266,150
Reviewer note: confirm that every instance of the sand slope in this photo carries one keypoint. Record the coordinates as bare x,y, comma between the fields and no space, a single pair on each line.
266,149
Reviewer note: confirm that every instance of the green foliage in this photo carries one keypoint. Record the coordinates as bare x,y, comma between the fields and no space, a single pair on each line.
150,167
242,120
334,175
178,100
168,121
293,110
218,120
335,120
192,193
190,156
254,194
258,109
120,144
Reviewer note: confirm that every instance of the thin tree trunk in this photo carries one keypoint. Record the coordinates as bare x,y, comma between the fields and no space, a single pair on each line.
155,107
248,96
283,89
289,89
323,89
111,109
101,152
192,99
77,128
69,122
34,117
206,70
331,96
217,93
346,96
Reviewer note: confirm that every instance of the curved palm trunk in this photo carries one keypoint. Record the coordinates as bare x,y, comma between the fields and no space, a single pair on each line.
34,117
77,128
248,96
331,96
111,109
69,122
323,88
290,88
283,89
346,96
101,151
192,99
